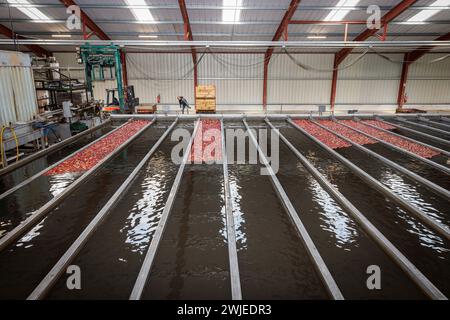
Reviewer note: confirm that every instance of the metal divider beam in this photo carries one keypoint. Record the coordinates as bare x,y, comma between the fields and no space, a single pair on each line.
446,153
37,175
311,248
407,266
433,164
236,293
50,279
35,217
53,148
442,125
419,133
423,126
415,177
144,272
434,225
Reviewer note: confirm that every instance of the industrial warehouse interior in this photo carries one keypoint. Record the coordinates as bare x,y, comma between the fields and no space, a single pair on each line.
225,150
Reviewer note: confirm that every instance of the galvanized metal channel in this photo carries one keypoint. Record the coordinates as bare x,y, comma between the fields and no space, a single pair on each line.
433,164
50,279
434,225
144,272
53,148
319,264
37,215
415,177
444,152
402,261
37,175
236,292
419,133
442,125
423,126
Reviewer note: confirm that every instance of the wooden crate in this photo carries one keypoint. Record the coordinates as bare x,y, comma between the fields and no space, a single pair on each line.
202,105
205,92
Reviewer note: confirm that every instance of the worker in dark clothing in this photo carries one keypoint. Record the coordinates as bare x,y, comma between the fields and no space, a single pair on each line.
183,104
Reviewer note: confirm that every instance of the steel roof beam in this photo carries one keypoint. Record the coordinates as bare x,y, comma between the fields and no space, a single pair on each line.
188,36
37,50
88,21
281,29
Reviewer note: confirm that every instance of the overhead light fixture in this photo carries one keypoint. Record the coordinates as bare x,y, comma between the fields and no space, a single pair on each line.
317,37
61,36
233,14
148,36
31,12
142,15
428,13
342,9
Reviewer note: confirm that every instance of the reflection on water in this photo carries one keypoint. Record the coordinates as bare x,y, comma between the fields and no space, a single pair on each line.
61,181
144,216
409,193
238,214
335,220
25,241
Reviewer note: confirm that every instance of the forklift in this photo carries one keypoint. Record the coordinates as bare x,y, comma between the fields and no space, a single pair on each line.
113,102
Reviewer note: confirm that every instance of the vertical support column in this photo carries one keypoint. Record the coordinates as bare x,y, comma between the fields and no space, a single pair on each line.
266,72
118,65
401,100
334,83
123,58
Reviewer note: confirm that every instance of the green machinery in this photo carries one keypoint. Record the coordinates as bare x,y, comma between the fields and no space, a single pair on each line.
97,59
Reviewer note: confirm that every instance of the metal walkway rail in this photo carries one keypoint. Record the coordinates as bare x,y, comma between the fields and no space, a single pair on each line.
444,152
407,266
431,163
37,175
435,123
142,277
434,225
236,293
37,215
53,148
419,133
413,176
322,269
50,279
414,124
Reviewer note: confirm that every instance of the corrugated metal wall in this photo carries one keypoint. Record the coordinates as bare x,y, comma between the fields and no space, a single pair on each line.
422,86
238,78
18,101
290,84
372,80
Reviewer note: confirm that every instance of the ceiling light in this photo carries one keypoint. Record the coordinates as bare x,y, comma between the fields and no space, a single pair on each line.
339,13
233,14
317,37
143,15
61,35
31,12
148,36
428,13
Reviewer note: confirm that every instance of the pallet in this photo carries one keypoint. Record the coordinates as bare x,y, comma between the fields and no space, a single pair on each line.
206,111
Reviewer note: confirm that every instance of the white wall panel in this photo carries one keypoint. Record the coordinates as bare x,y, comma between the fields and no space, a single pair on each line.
429,83
371,80
289,83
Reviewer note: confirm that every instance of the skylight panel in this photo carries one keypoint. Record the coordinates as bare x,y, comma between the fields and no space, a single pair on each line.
426,14
31,12
342,9
233,14
141,14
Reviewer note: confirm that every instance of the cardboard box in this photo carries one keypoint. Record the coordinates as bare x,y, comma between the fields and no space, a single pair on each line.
205,105
205,92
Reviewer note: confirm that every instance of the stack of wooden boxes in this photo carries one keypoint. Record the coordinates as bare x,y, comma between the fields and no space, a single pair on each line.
205,99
